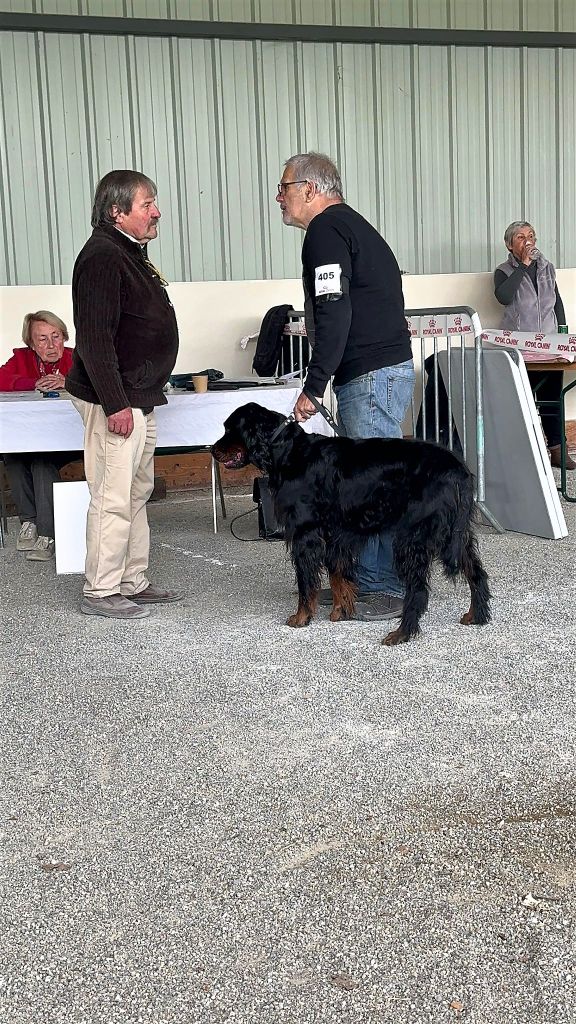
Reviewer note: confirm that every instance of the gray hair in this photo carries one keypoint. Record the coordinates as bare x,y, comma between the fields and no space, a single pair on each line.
42,316
117,188
513,229
318,168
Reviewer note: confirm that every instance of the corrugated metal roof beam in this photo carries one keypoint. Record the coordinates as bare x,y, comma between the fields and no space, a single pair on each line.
77,23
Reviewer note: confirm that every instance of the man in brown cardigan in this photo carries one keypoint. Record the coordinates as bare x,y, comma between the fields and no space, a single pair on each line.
126,347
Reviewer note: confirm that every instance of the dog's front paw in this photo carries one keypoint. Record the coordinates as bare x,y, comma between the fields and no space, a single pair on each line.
467,619
337,614
298,620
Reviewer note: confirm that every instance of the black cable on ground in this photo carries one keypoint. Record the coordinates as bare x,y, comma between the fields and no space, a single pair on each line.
249,540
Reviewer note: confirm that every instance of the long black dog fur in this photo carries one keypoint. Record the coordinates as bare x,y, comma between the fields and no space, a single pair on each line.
332,493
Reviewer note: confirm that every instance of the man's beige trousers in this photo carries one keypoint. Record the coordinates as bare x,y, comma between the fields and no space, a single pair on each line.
120,475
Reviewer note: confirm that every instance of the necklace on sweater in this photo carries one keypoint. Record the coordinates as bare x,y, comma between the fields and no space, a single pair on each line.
158,276
155,272
47,369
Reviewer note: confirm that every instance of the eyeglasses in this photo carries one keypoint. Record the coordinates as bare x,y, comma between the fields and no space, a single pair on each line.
283,185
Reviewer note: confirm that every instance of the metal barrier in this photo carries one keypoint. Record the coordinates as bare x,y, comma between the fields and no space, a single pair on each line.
441,328
295,354
453,327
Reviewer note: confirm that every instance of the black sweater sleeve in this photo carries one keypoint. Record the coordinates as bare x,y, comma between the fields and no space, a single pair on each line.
97,311
505,288
559,308
325,245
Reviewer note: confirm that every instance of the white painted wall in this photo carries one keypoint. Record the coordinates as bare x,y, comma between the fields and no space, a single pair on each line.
213,316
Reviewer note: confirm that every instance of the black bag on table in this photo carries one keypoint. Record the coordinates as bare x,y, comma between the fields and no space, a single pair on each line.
268,526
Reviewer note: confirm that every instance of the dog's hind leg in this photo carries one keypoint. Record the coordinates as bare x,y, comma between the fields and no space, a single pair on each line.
472,568
412,560
340,565
307,551
459,556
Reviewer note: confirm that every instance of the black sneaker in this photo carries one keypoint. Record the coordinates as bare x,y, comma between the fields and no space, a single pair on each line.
325,597
378,608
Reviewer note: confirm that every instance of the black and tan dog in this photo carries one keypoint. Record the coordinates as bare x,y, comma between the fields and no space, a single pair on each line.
332,493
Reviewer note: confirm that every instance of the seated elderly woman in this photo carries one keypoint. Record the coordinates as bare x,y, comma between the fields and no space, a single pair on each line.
526,285
42,365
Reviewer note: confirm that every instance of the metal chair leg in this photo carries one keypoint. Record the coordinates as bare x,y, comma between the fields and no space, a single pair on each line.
3,513
219,481
216,481
213,482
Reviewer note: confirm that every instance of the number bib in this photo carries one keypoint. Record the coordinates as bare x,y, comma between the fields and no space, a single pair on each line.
328,280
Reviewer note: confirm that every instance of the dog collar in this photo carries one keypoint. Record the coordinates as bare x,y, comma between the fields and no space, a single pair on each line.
289,419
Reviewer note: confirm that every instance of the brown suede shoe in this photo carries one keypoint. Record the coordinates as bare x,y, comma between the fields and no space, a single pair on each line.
113,607
556,458
154,595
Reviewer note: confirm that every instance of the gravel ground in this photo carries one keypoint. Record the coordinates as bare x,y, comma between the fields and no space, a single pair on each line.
209,817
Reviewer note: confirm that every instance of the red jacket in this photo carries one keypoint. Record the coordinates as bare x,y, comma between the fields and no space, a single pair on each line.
21,372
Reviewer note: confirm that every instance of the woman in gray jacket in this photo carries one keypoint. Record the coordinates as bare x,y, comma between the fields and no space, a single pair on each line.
526,285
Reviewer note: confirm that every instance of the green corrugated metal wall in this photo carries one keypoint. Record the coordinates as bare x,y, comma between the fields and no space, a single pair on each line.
439,146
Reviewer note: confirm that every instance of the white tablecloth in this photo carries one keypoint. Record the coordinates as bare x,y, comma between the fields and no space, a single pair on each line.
30,423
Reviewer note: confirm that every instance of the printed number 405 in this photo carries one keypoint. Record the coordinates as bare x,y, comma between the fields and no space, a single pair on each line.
328,275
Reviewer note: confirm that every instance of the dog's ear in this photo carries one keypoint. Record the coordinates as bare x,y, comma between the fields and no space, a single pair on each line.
253,425
257,442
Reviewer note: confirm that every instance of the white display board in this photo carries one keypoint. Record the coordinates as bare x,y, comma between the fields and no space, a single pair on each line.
521,490
71,500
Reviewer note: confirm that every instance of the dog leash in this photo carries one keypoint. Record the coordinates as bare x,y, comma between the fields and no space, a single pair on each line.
319,408
326,414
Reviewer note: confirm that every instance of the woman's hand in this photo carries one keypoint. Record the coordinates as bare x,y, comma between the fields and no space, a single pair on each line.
529,248
52,382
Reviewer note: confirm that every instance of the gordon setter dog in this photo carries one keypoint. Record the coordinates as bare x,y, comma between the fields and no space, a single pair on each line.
332,493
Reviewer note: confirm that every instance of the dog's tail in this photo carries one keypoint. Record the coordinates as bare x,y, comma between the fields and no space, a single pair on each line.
460,528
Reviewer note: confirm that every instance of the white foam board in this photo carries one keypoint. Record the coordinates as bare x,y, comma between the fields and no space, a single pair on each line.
71,500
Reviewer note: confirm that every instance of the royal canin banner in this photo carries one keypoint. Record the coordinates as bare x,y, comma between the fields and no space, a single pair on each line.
295,327
427,326
441,326
535,348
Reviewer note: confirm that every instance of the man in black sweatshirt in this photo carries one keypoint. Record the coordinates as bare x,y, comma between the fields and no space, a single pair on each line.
355,321
126,347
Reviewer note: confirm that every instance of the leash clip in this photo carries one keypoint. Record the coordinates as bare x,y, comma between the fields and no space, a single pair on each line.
289,419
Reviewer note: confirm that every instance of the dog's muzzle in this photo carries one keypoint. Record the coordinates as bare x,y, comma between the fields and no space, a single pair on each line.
235,457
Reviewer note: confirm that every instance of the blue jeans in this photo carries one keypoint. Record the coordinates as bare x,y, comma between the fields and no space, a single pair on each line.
374,405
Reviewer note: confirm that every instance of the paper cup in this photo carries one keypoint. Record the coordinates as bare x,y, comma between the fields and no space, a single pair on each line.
200,382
